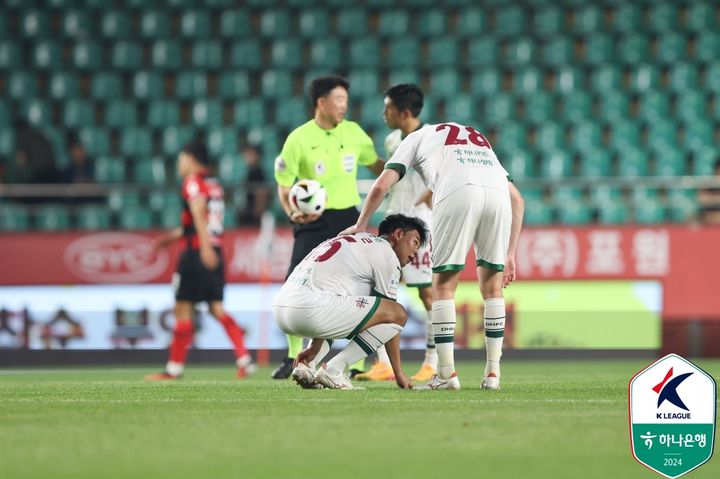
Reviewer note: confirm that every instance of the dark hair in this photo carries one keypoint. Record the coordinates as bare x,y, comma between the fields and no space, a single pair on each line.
406,96
197,149
405,223
322,86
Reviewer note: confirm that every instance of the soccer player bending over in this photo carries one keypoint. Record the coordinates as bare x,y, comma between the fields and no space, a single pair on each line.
346,288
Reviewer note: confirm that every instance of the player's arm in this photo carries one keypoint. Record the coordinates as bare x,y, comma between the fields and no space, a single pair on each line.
518,210
392,348
426,198
168,238
376,196
377,167
309,353
198,209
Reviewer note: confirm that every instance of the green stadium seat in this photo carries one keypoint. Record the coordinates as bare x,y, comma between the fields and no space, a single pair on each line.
588,19
167,55
498,109
557,51
701,16
292,112
649,211
155,24
576,106
712,79
222,141
234,85
539,107
175,137
691,106
632,162
126,55
625,133
548,20
95,140
286,53
352,22
136,142
13,218
606,77
511,137
683,76
538,213
235,24
9,55
250,112
161,200
485,82
365,83
614,106
595,163
482,52
191,85
599,49
587,136
404,52
121,114
276,84
47,55
78,113
121,198
275,23
148,85
519,164
314,23
569,78
704,160
519,52
162,114
195,24
662,17
207,113
371,116
326,53
64,86
601,194
365,52
21,86
38,112
93,217
106,86
671,48
7,142
670,162
681,205
633,49
75,24
550,136
627,17
556,164
510,21
231,169
109,169
445,82
527,81
246,54
575,212
699,135
393,22
115,25
402,75
653,105
150,171
461,108
707,45
135,218
207,55
87,56
442,52
52,218
34,23
471,21
431,23
612,212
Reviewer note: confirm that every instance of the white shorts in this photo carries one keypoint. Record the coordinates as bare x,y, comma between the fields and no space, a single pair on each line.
418,273
326,316
472,215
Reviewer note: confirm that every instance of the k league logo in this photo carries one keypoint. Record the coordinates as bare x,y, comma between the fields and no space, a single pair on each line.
672,406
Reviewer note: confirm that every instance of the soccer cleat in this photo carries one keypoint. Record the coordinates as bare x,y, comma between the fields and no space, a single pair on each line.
304,377
339,381
452,383
378,372
491,381
426,373
246,367
163,376
284,370
355,372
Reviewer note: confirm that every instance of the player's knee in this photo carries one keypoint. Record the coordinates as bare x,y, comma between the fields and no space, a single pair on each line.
400,315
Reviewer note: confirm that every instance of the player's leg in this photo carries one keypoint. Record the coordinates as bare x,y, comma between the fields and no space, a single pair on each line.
182,338
243,360
429,365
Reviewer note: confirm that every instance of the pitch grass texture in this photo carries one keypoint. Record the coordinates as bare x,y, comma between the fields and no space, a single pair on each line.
550,420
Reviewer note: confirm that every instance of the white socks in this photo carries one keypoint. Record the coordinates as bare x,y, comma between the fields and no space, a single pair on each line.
382,356
431,358
443,317
494,315
364,343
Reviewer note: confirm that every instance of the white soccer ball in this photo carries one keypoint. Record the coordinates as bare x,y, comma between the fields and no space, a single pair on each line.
308,196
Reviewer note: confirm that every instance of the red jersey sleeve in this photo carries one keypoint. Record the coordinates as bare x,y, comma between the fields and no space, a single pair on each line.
193,188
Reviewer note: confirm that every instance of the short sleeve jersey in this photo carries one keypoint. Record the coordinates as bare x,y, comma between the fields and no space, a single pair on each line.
329,156
357,265
404,195
199,186
448,156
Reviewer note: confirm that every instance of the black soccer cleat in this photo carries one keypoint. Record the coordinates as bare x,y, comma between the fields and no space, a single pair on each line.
355,372
284,370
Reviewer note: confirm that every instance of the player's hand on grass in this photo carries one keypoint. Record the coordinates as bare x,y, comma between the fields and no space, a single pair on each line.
209,258
300,218
509,271
403,381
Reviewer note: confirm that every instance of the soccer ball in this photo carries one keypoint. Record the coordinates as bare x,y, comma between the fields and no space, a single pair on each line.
308,196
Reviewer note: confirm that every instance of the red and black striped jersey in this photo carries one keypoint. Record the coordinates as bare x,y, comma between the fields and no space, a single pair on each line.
200,186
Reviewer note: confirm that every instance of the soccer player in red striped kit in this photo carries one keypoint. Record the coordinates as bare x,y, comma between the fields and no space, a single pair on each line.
200,273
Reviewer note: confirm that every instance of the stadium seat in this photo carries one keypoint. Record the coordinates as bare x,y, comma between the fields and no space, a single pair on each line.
93,217
539,107
632,162
75,24
167,55
613,105
595,163
653,105
712,78
550,137
404,52
292,112
115,25
548,20
649,211
601,194
483,52
155,24
681,205
276,84
275,23
78,113
109,169
599,49
606,77
221,141
431,23
510,21
148,85
231,169
365,52
9,55
191,85
519,164
21,86
121,114
644,77
7,142
670,162
511,137
96,140
136,142
588,19
445,83
557,51
127,55
404,75
704,161
527,81
569,78
314,23
106,86
34,23
38,112
207,114
556,164
671,48
461,108
393,23
286,53
701,16
249,112
352,22
442,52
662,17
246,54
150,171
699,135
624,133
498,109
683,76
371,116
576,106
64,86
235,24
195,24
485,82
633,49
326,53
175,137
161,199
519,52
47,55
13,217
234,85
691,106
207,54
135,218
365,84
52,218
575,212
162,114
612,212
537,213
627,17
472,20
87,56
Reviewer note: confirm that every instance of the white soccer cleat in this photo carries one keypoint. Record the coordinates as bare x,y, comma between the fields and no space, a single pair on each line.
451,383
331,381
304,376
491,381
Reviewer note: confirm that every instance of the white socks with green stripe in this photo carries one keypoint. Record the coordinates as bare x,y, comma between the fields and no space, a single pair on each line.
431,358
364,343
324,349
382,356
494,315
443,323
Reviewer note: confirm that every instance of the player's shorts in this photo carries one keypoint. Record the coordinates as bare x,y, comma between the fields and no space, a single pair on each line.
418,272
476,216
326,316
194,282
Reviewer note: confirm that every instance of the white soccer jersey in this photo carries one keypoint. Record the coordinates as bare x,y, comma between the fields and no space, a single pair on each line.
357,265
449,156
404,195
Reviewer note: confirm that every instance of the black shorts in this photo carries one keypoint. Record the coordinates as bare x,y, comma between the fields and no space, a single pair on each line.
194,282
307,237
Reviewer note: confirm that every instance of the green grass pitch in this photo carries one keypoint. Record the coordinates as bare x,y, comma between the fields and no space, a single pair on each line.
550,420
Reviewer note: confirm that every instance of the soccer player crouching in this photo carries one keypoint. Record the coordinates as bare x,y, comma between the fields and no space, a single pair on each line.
346,288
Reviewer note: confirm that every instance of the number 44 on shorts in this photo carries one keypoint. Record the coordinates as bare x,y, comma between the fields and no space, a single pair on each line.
673,412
